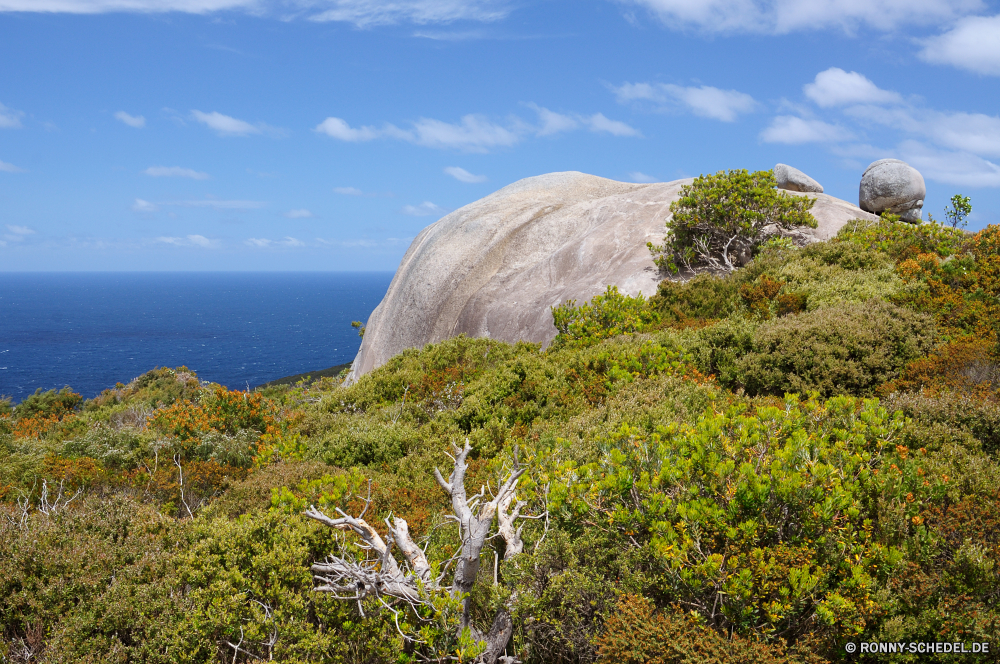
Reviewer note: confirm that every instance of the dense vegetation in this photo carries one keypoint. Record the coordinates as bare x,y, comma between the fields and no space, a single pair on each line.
757,467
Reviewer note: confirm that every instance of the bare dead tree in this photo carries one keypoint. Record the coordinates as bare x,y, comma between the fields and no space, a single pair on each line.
48,505
412,583
180,484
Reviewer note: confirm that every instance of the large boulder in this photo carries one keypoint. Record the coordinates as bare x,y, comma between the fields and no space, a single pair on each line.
891,185
792,179
495,267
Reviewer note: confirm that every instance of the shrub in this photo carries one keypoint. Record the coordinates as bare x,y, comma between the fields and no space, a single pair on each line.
953,409
720,220
759,518
965,365
605,316
718,350
160,387
692,303
844,349
51,404
902,240
636,633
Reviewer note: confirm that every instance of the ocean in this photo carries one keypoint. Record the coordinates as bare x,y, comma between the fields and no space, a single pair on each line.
92,330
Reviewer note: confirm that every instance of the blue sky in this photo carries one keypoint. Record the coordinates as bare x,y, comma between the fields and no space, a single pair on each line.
324,134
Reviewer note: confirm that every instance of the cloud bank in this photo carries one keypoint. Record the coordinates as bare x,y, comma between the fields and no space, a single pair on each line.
474,132
786,16
973,44
175,172
362,13
704,101
134,121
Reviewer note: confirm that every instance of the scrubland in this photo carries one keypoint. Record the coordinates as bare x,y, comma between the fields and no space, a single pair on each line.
755,467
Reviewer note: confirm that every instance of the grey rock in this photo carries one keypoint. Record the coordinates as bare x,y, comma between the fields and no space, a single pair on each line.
891,185
792,179
496,266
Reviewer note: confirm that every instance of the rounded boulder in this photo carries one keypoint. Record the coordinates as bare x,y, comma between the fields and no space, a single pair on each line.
891,185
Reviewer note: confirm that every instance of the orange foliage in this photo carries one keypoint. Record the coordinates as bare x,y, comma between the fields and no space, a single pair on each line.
40,426
224,411
965,365
758,296
75,473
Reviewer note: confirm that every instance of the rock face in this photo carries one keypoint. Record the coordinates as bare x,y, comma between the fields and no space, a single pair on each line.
792,179
891,185
495,267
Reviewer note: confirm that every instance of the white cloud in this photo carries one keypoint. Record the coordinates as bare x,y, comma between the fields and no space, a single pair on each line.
364,13
424,209
349,191
836,87
552,122
101,6
200,241
175,172
189,241
221,205
705,101
597,122
299,214
637,176
226,125
9,168
793,130
463,175
135,121
20,230
9,118
264,242
976,133
141,205
473,134
958,168
973,44
784,16
339,129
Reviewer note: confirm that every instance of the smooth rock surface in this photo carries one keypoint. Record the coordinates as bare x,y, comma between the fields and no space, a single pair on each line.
891,185
496,266
792,179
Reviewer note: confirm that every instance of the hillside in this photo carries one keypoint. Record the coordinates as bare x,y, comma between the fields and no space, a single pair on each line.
762,466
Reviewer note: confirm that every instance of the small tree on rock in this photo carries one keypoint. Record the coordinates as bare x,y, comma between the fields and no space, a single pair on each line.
720,220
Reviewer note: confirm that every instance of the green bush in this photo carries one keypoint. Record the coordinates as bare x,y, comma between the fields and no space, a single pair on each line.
902,240
979,418
603,317
703,298
719,220
843,349
759,518
52,403
636,633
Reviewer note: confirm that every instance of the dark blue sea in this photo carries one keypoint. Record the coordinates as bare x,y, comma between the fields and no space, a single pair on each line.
92,330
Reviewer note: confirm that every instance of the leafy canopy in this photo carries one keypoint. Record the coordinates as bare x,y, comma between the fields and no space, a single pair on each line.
720,220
